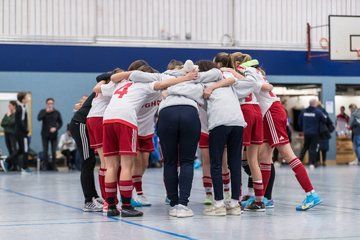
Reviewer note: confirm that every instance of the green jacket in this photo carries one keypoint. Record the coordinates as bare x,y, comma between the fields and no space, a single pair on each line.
8,123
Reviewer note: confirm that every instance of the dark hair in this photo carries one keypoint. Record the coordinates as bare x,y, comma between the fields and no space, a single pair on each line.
173,64
13,103
21,96
146,68
205,65
49,99
116,70
223,58
136,64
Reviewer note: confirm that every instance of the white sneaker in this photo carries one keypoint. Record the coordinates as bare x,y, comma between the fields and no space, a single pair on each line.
184,211
227,197
233,209
173,211
312,166
143,200
99,202
215,211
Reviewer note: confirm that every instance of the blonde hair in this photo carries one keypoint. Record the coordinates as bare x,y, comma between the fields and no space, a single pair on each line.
174,64
238,58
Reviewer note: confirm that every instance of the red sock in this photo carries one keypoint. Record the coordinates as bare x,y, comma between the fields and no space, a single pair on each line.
102,172
226,181
137,181
207,182
111,192
125,188
265,173
301,174
259,190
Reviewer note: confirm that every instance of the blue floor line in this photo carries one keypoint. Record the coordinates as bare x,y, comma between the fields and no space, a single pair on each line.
55,223
113,218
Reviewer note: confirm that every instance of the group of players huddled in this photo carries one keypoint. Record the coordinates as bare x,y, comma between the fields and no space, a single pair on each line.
225,107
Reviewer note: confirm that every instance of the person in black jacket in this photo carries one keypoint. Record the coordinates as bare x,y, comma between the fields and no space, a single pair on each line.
310,119
22,131
326,128
78,129
8,123
51,123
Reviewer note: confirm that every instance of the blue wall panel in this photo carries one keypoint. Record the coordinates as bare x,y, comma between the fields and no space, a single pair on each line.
48,58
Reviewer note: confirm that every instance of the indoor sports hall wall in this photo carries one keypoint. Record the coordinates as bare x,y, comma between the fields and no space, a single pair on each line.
254,24
68,72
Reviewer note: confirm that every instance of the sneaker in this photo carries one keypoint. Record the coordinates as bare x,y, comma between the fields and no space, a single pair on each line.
227,196
233,209
99,201
255,207
312,166
131,212
173,211
112,212
106,207
183,211
197,163
135,203
208,199
26,171
309,202
4,165
167,201
215,210
92,207
268,203
247,201
143,201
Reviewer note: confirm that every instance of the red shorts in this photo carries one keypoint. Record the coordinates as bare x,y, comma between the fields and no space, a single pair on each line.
119,139
145,144
204,140
275,121
95,130
254,132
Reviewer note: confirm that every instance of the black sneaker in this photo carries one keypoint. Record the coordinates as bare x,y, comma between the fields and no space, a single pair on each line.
130,212
112,212
255,207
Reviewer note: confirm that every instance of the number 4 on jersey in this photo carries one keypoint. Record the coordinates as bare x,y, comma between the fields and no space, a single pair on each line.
122,90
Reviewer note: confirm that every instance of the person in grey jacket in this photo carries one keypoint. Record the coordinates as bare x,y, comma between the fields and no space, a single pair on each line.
355,127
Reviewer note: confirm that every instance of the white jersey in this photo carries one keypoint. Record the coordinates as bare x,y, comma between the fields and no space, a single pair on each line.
126,101
266,99
146,115
100,101
203,120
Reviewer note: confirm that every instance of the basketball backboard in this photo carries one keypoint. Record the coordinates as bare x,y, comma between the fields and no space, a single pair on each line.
344,35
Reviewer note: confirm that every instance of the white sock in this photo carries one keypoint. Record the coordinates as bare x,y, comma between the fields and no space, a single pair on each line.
309,193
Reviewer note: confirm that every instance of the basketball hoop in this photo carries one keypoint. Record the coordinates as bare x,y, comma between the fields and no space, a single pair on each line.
324,43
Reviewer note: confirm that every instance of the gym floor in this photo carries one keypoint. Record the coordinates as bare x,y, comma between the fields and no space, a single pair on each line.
48,206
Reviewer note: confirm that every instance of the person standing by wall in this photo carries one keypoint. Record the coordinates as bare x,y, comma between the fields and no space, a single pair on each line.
355,127
8,123
342,122
310,119
22,131
51,123
325,134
